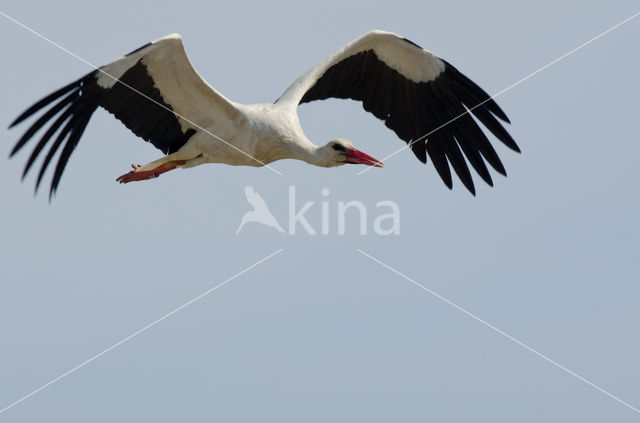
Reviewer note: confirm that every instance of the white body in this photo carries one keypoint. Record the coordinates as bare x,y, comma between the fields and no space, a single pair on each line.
266,132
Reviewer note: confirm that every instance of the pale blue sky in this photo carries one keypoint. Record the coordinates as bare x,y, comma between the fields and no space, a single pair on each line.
319,332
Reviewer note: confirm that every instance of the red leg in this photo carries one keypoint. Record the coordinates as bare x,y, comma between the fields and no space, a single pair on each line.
141,175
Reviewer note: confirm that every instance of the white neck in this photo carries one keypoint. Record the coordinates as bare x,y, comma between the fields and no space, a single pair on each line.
317,156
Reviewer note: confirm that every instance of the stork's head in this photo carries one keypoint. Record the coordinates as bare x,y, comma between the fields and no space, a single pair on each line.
340,151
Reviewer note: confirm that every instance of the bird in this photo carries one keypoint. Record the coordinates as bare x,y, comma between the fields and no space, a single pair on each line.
260,212
159,96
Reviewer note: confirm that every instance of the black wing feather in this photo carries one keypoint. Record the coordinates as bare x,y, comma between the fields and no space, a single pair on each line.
432,117
439,159
78,130
54,147
45,139
464,84
147,115
41,122
465,140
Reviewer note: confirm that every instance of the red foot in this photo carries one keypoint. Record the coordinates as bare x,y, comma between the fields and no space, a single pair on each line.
141,175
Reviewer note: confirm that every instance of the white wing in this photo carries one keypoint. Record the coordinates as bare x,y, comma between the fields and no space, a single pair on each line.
397,53
415,93
146,90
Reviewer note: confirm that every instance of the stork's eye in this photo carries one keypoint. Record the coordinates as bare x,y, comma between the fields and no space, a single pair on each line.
338,147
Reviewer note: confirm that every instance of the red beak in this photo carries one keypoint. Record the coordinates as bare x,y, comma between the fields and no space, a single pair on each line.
357,156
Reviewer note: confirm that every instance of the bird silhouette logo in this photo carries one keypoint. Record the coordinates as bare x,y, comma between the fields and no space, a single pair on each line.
260,212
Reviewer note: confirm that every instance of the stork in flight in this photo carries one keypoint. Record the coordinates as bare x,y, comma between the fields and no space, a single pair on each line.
156,93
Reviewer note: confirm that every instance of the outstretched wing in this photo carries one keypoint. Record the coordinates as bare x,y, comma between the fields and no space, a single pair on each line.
418,95
154,91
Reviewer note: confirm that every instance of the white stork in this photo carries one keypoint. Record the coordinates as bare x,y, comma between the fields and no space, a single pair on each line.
156,93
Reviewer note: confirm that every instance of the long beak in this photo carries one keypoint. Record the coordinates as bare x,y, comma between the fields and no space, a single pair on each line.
357,156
